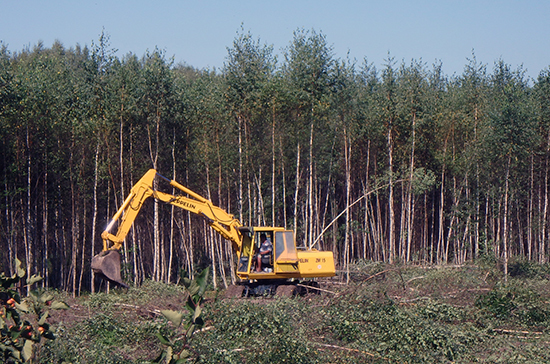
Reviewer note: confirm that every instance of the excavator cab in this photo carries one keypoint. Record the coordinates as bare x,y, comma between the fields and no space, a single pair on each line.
107,265
250,249
266,259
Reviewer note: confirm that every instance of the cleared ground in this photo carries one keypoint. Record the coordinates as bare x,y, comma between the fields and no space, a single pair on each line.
384,314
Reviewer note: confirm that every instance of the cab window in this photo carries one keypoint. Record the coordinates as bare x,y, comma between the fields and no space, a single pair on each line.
284,246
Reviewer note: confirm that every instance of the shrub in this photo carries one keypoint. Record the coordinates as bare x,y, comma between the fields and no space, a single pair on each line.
19,336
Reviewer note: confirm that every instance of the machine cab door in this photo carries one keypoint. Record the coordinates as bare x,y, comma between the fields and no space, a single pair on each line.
286,258
247,251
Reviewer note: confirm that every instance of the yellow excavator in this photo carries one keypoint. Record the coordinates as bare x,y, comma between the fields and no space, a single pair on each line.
269,262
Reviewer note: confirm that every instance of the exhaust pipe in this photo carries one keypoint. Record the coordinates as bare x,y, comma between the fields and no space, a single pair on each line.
107,265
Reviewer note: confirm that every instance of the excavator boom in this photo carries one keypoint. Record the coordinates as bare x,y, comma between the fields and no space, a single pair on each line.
107,263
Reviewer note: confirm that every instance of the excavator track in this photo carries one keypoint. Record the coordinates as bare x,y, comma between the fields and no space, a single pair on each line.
234,291
286,291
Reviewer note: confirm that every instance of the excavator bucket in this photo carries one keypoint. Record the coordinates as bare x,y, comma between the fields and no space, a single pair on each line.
107,265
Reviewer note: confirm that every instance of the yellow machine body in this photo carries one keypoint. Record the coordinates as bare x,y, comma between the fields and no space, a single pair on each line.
287,261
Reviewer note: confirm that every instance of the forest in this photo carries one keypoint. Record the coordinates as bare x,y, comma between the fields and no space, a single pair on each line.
398,163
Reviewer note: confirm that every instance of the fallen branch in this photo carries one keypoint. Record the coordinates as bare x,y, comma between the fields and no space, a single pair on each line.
156,312
348,349
315,288
398,270
506,331
413,299
466,290
414,278
380,273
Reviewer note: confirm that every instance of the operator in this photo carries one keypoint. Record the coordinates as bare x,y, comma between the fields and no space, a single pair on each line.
266,249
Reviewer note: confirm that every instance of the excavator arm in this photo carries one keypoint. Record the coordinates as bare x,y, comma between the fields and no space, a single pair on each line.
107,263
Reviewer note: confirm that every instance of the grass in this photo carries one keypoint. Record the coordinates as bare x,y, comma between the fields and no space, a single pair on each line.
386,314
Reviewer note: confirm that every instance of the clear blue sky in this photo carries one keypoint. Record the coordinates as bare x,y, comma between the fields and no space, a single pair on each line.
198,33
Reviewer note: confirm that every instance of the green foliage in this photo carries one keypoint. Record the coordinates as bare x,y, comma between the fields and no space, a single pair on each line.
391,319
521,267
441,312
515,303
178,352
104,338
18,335
268,332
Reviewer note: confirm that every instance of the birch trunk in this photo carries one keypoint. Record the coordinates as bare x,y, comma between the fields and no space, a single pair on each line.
297,187
9,225
29,246
220,243
310,189
530,205
135,241
240,202
121,162
391,217
94,209
153,154
544,218
172,211
366,215
273,222
45,242
283,177
410,201
441,229
347,153
505,219
83,255
211,238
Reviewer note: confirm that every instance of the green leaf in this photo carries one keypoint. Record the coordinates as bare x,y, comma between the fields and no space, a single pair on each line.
14,353
48,335
22,307
27,350
20,271
190,305
33,279
202,280
163,339
160,358
199,322
197,313
183,274
59,305
43,318
190,331
187,282
184,355
173,316
193,288
8,282
45,297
